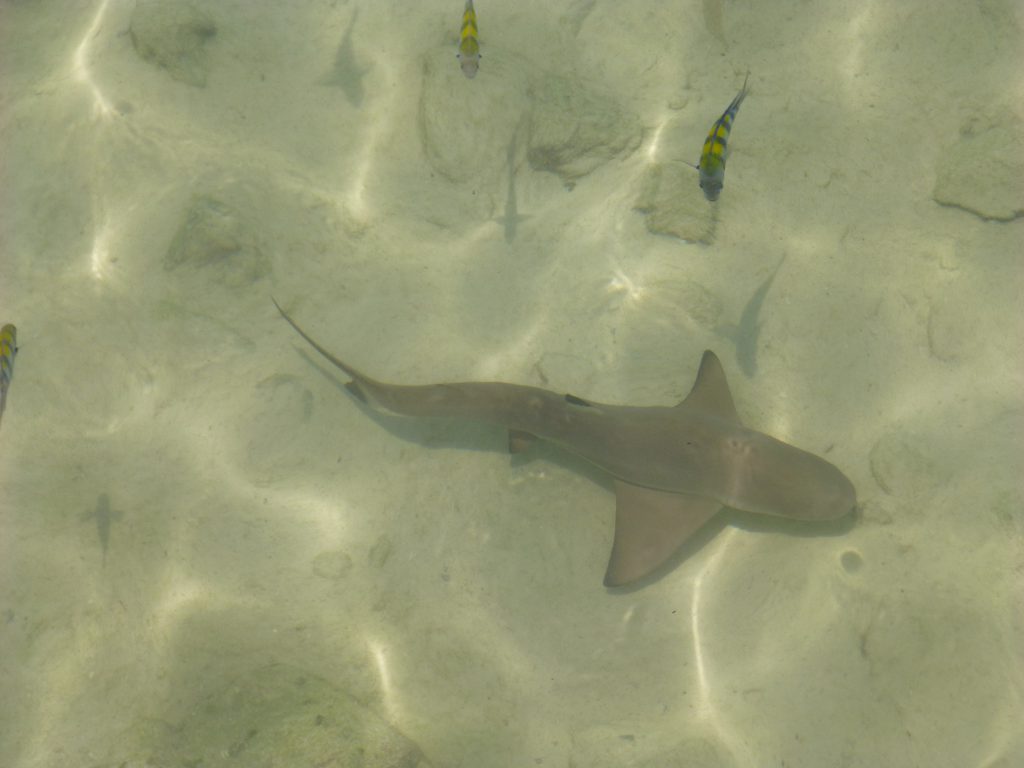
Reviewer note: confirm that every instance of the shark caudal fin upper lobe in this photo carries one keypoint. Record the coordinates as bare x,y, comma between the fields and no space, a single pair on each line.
360,387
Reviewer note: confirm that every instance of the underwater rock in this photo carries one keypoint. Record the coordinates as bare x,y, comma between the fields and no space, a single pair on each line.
573,130
901,468
698,303
603,745
952,328
172,36
333,565
981,173
460,124
214,235
281,715
673,205
381,551
568,129
712,13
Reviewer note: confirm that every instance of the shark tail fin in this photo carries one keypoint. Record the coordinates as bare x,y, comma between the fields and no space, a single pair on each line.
357,392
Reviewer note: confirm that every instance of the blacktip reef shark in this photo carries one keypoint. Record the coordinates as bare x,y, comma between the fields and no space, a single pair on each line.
674,468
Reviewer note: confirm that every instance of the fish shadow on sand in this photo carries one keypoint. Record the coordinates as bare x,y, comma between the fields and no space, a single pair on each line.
745,334
346,72
105,516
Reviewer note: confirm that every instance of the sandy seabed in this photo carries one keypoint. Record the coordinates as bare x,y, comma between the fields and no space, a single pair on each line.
210,555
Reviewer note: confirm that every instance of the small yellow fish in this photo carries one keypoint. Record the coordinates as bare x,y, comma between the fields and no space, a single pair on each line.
712,157
469,46
8,349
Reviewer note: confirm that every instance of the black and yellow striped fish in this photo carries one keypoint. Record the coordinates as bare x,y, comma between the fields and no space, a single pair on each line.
8,349
712,157
469,45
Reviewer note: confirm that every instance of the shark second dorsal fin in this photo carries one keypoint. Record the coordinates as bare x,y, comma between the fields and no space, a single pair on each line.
710,391
650,526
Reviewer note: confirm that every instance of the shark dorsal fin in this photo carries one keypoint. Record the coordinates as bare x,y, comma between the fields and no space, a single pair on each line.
710,391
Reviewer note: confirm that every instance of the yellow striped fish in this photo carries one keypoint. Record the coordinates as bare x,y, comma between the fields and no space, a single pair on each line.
8,349
712,157
469,45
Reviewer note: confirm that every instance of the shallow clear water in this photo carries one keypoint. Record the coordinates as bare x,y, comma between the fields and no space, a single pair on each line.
211,555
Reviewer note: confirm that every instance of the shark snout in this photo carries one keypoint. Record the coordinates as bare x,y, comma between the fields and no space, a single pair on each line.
838,496
773,478
822,492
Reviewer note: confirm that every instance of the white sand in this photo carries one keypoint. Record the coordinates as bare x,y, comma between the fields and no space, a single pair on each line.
286,576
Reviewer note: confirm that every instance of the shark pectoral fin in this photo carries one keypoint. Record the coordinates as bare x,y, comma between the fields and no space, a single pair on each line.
649,527
519,441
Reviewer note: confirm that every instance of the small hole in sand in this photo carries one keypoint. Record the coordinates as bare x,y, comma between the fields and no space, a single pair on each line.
851,561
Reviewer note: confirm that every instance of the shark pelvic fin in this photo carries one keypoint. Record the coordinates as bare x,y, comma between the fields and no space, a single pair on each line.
519,441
